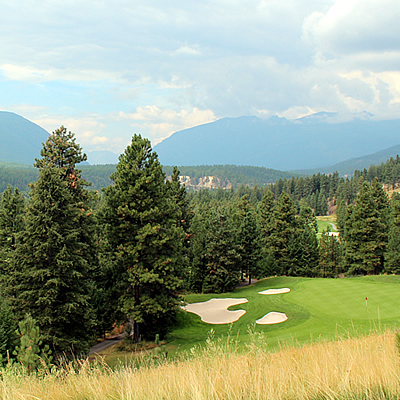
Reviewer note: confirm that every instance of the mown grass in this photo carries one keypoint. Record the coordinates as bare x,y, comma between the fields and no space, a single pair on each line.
324,222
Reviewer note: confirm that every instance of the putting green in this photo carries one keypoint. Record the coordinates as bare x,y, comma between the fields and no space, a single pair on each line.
346,298
315,307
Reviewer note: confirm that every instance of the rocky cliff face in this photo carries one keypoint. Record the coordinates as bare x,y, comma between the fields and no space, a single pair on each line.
205,182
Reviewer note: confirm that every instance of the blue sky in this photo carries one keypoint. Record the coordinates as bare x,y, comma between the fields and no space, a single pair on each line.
108,69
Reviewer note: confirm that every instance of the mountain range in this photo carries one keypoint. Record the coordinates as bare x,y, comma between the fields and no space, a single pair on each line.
307,145
315,141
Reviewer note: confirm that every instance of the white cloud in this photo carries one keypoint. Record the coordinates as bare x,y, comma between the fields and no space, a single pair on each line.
188,50
160,123
88,130
355,26
32,74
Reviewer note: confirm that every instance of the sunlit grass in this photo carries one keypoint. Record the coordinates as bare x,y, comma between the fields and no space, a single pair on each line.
317,309
363,368
326,221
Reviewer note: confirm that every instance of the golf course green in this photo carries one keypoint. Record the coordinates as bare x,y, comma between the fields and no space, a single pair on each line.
316,308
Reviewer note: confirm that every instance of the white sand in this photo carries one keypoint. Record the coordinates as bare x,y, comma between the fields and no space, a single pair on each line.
272,318
215,311
275,291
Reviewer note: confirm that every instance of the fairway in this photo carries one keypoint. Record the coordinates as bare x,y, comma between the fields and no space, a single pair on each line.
316,308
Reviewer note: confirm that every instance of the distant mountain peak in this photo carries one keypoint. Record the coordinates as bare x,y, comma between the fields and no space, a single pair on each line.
321,139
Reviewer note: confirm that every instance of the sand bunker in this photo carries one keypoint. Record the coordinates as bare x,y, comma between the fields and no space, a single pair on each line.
215,311
275,291
272,318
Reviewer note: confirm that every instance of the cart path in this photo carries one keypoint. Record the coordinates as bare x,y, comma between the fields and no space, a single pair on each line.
105,344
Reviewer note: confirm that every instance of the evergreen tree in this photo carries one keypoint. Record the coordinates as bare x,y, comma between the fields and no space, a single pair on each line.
265,227
8,328
31,350
284,232
61,151
329,255
365,235
144,233
198,247
12,207
51,278
222,254
248,238
341,211
184,215
392,257
307,242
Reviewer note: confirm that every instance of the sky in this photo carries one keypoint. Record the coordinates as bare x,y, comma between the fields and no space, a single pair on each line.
109,69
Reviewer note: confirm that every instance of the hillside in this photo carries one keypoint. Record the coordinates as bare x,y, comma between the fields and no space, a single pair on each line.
347,168
278,143
21,140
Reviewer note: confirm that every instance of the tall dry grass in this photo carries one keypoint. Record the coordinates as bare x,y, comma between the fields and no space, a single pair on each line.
364,368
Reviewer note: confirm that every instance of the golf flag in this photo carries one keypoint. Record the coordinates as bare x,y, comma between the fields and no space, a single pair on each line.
366,301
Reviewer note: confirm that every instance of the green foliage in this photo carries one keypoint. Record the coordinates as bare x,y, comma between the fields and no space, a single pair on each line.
392,256
223,258
330,252
282,240
31,352
8,327
51,277
12,208
247,237
366,232
265,225
144,231
307,243
197,246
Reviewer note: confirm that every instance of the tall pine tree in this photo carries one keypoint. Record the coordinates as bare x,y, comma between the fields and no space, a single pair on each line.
265,227
51,277
392,256
223,259
283,237
144,232
248,238
366,234
12,209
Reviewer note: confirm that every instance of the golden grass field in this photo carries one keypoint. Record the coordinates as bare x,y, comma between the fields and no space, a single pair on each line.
362,368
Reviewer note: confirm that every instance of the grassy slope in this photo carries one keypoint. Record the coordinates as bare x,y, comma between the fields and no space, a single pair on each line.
316,308
355,369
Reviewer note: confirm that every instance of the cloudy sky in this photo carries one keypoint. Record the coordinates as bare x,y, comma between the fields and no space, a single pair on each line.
107,69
